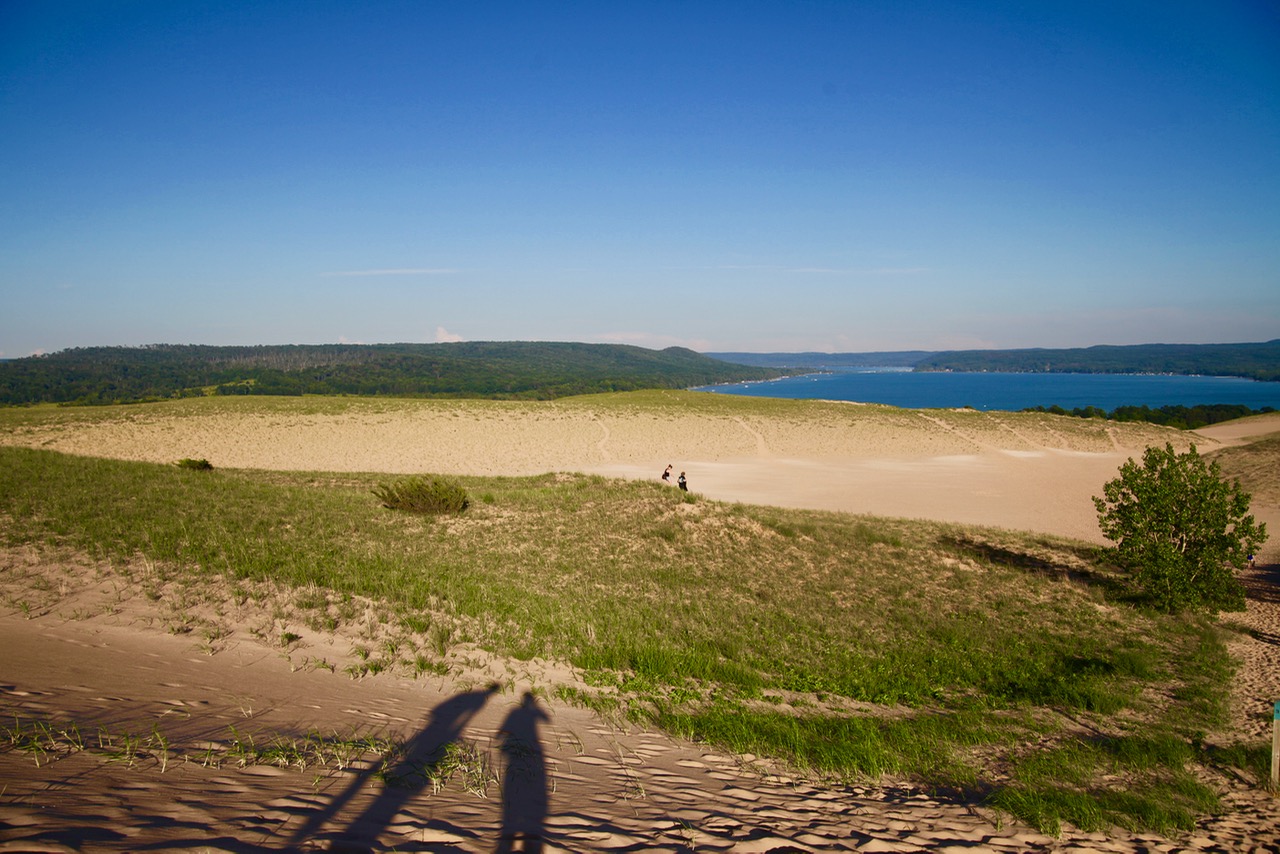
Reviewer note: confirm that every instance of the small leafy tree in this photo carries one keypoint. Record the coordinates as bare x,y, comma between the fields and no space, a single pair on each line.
1180,529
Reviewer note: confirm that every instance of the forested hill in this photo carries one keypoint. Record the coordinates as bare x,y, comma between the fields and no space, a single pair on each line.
534,370
1259,361
883,359
1255,361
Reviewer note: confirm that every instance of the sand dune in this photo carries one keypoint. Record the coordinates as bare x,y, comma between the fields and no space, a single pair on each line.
87,648
1018,470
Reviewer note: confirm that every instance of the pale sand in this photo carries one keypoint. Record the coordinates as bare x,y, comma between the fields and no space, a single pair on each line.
97,651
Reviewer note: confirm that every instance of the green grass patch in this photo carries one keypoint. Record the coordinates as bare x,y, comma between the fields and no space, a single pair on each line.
47,741
927,744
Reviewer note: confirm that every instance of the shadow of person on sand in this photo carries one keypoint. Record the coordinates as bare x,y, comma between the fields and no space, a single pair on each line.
404,779
524,782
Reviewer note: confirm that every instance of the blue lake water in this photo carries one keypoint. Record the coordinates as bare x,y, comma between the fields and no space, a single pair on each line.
1011,392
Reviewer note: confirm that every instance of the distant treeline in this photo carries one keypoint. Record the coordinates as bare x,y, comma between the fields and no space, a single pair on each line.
1182,417
1259,361
812,360
510,370
1253,361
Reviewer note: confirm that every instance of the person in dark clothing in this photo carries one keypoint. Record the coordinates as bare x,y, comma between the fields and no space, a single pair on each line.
666,475
684,484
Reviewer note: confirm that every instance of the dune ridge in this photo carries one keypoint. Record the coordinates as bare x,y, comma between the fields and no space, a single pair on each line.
1019,470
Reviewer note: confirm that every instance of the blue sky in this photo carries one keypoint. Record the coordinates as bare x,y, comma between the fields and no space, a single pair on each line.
842,176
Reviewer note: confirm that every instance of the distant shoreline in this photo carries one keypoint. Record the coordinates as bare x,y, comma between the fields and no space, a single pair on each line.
1256,361
1013,391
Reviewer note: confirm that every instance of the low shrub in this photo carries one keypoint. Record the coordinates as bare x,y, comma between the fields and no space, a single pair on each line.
427,494
198,465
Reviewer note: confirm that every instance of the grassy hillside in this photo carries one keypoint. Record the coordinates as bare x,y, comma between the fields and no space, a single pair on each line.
1011,668
517,369
1257,465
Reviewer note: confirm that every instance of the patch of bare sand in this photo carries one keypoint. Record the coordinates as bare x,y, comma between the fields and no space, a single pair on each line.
1242,429
83,646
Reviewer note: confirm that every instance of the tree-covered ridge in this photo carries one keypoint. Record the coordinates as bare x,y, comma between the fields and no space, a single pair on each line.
1260,361
1181,417
513,369
812,359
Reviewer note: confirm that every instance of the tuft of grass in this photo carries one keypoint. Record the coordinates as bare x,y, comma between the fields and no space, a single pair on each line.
197,465
45,741
425,494
306,751
1254,760
422,664
461,759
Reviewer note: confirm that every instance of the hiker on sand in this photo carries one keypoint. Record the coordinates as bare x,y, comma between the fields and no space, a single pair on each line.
666,475
684,484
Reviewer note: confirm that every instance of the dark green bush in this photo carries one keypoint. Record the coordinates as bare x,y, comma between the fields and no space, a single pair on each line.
1181,529
198,465
426,494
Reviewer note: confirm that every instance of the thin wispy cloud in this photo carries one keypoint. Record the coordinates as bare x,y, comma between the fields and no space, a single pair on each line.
843,271
396,271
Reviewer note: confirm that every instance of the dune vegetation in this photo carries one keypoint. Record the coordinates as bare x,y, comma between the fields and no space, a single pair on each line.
1013,669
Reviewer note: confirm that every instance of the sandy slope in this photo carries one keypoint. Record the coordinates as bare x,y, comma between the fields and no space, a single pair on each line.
90,647
1025,471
